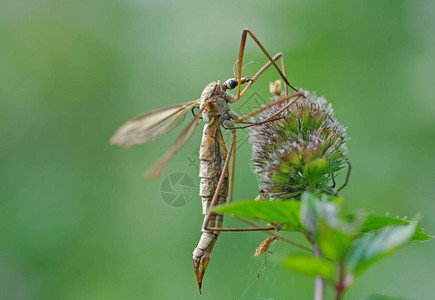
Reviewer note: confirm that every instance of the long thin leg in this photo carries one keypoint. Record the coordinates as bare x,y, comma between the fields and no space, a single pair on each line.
276,235
349,168
242,50
251,124
257,111
262,69
233,165
333,181
281,110
216,194
275,58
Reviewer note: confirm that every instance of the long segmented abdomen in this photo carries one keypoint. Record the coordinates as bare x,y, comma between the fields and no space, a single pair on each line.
212,155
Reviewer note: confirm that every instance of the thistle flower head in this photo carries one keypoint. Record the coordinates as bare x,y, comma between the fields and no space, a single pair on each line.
301,151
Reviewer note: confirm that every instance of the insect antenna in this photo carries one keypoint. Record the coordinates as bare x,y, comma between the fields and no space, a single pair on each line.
234,66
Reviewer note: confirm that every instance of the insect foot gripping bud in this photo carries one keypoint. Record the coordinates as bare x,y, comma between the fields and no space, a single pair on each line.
303,150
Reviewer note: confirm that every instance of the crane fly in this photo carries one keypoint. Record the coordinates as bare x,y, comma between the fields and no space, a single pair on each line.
216,182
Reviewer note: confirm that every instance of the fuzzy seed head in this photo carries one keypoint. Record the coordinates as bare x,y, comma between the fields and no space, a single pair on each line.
303,150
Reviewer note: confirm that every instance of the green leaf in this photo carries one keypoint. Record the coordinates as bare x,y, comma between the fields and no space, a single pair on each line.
322,218
372,246
334,243
310,265
374,223
286,212
382,297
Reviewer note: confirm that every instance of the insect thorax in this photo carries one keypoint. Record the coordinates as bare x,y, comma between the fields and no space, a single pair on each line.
214,100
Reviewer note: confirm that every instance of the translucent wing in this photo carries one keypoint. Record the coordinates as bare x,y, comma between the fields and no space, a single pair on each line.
157,169
149,126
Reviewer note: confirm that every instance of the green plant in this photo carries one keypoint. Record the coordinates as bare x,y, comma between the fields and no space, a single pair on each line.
296,160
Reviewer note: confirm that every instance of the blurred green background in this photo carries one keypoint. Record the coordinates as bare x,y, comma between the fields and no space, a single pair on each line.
78,220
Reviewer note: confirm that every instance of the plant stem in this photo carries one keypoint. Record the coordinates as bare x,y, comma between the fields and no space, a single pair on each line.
319,283
319,288
339,288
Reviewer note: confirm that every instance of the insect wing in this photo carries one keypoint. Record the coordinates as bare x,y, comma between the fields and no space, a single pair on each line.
157,169
149,126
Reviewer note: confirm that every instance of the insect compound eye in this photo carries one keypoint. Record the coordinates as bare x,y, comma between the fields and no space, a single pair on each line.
233,83
230,84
